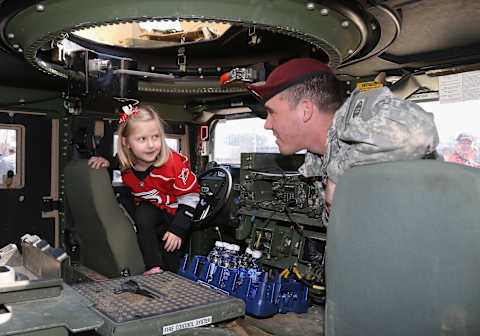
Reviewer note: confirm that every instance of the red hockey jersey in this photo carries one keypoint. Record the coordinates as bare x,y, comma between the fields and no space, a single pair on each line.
162,186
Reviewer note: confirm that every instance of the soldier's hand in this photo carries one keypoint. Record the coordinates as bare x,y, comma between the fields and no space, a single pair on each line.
329,191
98,162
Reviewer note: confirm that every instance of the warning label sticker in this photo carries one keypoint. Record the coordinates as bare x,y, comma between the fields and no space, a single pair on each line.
365,86
187,324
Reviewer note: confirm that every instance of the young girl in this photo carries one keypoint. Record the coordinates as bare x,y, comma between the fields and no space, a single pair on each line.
164,187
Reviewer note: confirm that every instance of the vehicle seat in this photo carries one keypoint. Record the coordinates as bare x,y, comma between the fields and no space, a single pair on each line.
403,251
108,243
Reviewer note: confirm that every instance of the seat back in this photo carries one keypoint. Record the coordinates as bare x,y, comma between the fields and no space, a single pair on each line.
108,243
403,251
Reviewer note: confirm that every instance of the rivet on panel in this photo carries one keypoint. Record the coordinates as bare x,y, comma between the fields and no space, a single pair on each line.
310,6
345,24
324,11
40,7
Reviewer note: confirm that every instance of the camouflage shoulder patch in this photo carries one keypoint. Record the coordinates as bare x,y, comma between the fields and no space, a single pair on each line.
357,109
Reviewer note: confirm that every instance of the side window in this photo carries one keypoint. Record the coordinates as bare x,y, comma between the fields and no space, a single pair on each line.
173,143
12,138
459,130
232,137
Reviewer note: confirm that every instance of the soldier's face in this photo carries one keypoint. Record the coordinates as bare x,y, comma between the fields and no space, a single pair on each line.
465,146
286,125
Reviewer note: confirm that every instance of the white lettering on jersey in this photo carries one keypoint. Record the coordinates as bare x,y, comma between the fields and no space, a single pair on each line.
149,195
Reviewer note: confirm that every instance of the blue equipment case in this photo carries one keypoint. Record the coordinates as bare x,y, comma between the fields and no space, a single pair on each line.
262,297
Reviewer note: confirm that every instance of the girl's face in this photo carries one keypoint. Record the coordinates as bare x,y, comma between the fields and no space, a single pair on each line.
145,143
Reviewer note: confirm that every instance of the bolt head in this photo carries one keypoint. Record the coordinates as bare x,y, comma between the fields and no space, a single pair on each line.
310,6
40,7
324,11
10,35
350,51
345,24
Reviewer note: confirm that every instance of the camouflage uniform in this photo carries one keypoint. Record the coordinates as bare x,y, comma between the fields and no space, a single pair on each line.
372,127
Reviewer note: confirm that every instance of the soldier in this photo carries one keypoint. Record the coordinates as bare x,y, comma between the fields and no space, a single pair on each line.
464,151
306,111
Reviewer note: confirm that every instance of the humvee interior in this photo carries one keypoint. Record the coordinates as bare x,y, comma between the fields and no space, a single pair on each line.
399,253
99,221
391,212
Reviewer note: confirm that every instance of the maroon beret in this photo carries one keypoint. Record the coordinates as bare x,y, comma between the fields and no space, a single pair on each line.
288,74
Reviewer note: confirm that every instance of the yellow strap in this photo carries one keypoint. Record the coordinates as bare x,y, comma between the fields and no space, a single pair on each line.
296,272
318,287
258,240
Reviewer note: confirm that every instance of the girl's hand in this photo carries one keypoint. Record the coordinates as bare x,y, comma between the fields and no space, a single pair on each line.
172,243
98,162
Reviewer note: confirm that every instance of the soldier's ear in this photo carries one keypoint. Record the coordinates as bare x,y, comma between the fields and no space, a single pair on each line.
307,109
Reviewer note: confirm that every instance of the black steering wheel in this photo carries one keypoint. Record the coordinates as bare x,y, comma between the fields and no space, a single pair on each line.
215,184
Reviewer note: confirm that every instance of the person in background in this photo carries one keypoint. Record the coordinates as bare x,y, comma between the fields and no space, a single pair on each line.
8,162
306,110
165,189
465,153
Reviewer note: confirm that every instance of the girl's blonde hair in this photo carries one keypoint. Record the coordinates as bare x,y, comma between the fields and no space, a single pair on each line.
144,113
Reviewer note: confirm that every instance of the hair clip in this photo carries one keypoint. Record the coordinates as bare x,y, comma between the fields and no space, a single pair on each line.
128,111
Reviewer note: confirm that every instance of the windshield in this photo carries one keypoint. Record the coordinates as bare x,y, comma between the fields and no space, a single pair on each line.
232,137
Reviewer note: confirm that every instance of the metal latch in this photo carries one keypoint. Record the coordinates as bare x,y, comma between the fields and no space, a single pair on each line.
182,59
241,74
48,204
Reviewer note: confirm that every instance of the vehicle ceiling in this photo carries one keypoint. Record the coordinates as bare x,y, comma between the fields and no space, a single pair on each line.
405,38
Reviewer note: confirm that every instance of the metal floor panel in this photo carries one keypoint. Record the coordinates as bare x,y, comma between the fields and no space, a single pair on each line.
178,300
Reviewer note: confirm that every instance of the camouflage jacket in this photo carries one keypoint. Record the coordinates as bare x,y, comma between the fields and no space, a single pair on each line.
371,127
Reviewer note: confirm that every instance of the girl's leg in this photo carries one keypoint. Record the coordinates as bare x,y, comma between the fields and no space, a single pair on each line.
171,260
147,217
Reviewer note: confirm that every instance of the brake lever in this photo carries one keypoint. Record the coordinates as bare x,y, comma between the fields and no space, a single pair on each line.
131,286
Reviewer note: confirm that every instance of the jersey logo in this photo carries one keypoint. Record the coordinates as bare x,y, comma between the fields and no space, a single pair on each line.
184,175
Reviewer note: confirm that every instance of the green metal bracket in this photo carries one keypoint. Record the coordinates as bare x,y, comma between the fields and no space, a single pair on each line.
337,33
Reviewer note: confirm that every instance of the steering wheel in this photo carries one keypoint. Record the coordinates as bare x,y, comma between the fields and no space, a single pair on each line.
215,184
